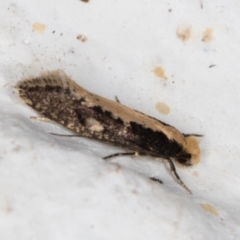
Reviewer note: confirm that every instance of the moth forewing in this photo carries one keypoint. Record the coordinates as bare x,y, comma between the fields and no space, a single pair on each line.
56,97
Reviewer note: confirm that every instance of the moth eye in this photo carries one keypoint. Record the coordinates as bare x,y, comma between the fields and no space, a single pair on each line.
184,159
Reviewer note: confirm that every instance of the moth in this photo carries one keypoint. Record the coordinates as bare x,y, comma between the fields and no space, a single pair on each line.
58,98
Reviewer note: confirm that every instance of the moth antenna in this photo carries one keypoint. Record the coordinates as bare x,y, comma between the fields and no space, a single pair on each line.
179,180
64,135
194,135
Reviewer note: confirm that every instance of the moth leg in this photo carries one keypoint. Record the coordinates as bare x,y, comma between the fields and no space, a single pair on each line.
117,100
64,135
173,170
43,119
131,154
121,154
156,180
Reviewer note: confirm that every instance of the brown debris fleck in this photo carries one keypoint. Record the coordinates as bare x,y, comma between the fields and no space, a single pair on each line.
163,108
183,32
81,38
207,35
209,208
159,72
38,27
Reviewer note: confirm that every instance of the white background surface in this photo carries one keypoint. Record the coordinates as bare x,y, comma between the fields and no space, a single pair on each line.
60,188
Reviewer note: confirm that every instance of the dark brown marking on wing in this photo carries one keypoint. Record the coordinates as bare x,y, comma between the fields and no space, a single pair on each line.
60,105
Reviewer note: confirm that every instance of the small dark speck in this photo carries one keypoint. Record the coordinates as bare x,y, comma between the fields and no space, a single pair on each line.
61,34
71,50
170,10
211,66
53,31
84,1
172,81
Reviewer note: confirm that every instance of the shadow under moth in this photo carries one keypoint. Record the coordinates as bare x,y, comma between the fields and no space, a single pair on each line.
58,98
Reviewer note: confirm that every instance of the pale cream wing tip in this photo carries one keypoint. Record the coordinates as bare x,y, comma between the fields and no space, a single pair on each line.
56,78
51,78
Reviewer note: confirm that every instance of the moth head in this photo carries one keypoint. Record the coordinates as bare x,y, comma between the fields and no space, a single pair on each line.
191,152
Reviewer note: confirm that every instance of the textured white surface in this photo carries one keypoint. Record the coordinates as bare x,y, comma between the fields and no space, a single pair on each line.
59,188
